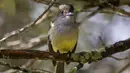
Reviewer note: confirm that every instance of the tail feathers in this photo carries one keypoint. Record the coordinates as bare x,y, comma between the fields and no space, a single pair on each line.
59,68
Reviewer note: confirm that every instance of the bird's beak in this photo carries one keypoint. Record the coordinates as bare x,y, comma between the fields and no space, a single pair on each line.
69,14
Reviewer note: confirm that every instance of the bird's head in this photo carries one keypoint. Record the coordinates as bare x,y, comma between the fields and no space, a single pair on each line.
67,9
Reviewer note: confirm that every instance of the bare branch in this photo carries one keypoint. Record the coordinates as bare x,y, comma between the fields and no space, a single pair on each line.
27,64
41,42
94,3
90,15
124,68
13,33
113,9
81,57
119,11
22,69
119,58
47,2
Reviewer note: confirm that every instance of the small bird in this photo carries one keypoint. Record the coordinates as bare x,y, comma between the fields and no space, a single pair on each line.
63,34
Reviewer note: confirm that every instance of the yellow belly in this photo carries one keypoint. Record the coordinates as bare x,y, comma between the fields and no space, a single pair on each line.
64,46
63,39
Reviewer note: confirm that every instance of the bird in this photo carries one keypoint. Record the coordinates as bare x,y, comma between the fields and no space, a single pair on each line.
63,34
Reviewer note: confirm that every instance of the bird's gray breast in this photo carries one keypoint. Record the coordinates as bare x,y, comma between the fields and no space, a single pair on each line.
63,31
63,27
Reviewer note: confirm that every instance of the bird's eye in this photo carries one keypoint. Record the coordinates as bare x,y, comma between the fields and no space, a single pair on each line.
63,7
66,8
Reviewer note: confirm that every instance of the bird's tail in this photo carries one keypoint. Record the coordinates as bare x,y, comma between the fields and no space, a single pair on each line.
59,68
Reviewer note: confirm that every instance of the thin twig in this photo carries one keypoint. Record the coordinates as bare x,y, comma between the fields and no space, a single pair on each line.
90,15
124,68
46,2
22,69
111,11
114,9
26,65
43,41
119,11
119,58
13,33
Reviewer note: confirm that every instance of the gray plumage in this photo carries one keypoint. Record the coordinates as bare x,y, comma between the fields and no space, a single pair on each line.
63,33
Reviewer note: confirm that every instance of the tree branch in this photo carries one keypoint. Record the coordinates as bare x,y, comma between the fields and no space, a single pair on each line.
124,68
90,15
81,57
112,4
114,9
22,69
26,65
13,33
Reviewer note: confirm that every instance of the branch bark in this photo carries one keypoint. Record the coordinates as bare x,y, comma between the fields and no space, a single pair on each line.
81,57
89,3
